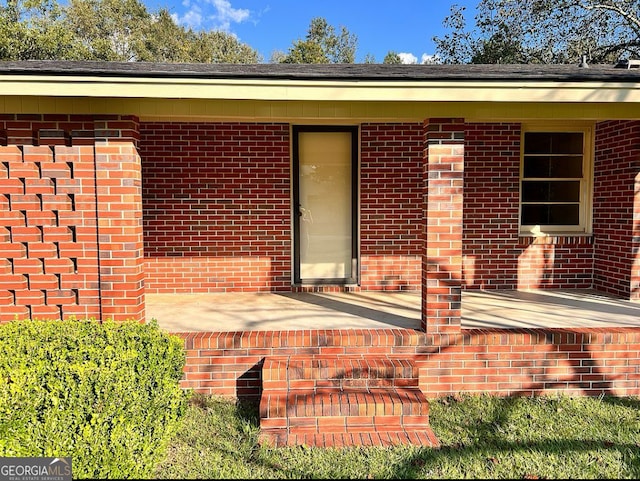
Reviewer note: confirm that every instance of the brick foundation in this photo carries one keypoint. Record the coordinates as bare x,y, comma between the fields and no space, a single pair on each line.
499,361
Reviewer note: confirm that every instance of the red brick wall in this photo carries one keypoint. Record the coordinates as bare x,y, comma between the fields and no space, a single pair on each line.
216,204
498,361
216,200
495,257
617,166
391,206
211,237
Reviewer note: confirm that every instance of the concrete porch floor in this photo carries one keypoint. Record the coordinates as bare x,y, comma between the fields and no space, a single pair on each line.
384,310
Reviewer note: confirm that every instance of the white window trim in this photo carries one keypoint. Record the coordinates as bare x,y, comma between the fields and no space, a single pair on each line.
586,185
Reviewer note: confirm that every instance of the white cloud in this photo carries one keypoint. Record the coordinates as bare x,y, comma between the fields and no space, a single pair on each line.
430,59
192,18
227,13
199,14
408,58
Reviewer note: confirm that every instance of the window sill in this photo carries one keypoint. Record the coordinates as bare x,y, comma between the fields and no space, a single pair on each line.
555,238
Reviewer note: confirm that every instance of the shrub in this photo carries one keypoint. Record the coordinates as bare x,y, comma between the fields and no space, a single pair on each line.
107,395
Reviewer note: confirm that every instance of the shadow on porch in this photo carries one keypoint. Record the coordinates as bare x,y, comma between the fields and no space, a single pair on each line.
336,369
224,312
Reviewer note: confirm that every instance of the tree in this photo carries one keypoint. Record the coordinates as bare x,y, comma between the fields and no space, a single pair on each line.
120,30
220,47
369,58
543,31
458,45
164,40
34,29
500,47
323,45
306,51
277,56
109,29
392,58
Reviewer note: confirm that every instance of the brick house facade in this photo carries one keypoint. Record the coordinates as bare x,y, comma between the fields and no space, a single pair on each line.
153,179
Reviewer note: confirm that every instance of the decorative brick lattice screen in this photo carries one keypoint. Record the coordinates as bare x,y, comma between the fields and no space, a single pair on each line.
48,237
70,218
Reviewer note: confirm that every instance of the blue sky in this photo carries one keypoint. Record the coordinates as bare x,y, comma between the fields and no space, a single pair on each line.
404,26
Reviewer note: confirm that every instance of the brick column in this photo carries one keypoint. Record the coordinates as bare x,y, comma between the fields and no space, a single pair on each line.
442,258
119,196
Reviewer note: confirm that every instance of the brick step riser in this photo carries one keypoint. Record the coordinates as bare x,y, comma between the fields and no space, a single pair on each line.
345,384
357,403
343,400
356,424
345,412
340,384
322,412
421,438
422,435
343,372
346,424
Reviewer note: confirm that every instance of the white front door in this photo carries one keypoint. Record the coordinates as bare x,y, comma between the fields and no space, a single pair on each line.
324,159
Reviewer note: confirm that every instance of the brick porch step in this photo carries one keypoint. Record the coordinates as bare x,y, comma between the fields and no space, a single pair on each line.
343,401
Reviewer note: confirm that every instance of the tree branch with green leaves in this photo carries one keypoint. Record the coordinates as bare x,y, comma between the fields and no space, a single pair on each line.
542,31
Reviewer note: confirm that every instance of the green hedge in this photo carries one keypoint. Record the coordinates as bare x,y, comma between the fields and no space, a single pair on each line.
107,395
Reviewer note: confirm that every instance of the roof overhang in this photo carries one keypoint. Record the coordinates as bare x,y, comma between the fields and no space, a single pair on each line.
317,90
492,89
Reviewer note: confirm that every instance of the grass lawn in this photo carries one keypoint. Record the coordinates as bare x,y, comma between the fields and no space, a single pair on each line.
482,437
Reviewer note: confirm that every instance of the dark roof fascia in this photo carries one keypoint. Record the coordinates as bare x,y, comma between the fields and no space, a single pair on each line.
333,72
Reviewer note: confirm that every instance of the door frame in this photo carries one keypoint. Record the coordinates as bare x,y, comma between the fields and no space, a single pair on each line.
295,208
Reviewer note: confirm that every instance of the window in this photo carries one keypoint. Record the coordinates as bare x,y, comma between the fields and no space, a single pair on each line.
555,180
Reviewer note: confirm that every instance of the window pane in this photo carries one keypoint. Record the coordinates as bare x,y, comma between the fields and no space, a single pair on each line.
557,160
548,167
553,142
535,214
545,214
568,214
551,191
537,143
